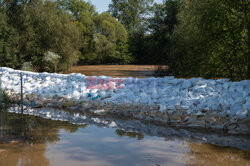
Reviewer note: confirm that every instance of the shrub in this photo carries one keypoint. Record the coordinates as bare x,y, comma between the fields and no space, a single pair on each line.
6,101
51,60
27,66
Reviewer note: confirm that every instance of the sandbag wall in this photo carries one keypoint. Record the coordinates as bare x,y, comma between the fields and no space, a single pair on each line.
191,103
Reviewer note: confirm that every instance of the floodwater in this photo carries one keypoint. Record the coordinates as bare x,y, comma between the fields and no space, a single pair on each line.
117,70
27,140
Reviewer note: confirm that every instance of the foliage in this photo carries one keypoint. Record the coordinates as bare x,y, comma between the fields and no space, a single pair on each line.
77,7
6,100
194,38
100,34
132,14
105,45
152,45
27,66
37,27
123,54
212,39
51,60
8,37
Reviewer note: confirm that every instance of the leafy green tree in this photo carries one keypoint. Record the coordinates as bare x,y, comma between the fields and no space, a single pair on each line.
123,54
101,35
8,37
164,18
102,51
109,27
107,38
86,27
77,7
55,31
212,39
41,27
161,27
132,14
152,44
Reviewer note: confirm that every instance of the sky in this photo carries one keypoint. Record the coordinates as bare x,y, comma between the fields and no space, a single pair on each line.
102,5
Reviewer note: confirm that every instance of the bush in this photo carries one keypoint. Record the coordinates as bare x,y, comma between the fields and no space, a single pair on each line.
6,101
51,61
27,66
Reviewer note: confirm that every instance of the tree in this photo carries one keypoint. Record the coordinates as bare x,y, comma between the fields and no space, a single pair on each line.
101,34
41,27
8,37
164,18
107,37
130,13
214,35
161,27
77,7
152,43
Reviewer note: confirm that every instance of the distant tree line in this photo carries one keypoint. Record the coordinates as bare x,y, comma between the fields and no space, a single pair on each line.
194,38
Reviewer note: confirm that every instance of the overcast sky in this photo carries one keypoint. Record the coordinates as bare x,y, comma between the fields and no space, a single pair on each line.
102,5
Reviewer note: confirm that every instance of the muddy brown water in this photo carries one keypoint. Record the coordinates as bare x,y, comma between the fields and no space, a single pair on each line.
139,71
28,140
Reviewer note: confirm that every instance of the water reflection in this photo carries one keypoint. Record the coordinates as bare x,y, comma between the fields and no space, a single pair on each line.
29,140
122,133
207,154
31,129
18,154
24,139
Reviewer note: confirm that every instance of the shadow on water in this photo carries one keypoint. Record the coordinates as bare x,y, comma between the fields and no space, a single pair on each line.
31,140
